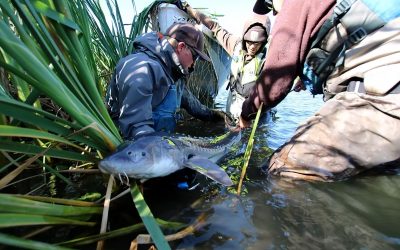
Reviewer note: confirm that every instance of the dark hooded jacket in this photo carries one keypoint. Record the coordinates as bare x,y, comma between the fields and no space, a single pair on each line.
140,83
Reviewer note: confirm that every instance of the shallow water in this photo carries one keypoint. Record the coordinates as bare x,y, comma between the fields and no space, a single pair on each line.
360,213
273,213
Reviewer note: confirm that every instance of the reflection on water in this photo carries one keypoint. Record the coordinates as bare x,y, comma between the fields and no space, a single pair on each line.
361,213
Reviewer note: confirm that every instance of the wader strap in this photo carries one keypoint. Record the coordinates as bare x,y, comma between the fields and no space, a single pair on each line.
358,87
339,10
229,86
357,33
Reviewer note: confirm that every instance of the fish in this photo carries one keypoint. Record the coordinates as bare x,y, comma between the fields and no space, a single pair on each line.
160,155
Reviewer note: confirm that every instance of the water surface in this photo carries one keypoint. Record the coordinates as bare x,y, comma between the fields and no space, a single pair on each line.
273,213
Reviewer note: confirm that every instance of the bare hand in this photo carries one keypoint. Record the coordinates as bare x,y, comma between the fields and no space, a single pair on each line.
243,123
298,86
181,4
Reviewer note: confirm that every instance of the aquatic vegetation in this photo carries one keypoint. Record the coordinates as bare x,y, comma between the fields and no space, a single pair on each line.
55,61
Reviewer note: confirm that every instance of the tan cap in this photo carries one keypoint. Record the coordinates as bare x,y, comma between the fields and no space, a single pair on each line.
189,34
256,34
256,28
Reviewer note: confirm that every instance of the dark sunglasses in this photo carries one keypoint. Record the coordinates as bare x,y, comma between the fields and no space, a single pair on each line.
195,55
252,43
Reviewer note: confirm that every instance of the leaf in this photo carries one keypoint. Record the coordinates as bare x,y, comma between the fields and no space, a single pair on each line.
249,148
31,149
148,219
14,204
13,131
77,203
18,220
120,232
10,240
56,16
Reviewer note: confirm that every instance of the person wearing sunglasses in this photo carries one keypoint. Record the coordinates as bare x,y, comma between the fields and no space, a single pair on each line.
147,88
247,52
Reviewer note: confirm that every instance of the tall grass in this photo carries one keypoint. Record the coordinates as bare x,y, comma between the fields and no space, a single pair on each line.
56,57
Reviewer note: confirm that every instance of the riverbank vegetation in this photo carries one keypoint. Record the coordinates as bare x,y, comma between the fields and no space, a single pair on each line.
56,58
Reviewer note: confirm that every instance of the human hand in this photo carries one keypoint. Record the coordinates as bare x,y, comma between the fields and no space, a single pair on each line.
268,4
243,123
218,114
299,86
222,116
181,4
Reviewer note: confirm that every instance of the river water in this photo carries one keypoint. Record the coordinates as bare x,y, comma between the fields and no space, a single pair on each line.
273,213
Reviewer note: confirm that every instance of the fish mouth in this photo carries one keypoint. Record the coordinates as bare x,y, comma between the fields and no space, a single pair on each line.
105,167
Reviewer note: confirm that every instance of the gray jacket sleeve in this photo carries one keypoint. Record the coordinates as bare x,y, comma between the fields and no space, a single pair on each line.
195,108
133,91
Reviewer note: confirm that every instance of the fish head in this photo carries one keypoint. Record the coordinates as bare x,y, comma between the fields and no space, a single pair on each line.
144,158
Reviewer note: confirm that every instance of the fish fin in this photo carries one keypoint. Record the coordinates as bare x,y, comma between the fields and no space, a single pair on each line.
209,169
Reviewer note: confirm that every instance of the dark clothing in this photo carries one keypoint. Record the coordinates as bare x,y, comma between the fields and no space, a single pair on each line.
141,82
357,127
290,39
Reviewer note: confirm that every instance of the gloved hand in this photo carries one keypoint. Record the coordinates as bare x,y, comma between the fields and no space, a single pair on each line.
218,114
268,4
262,7
221,115
181,4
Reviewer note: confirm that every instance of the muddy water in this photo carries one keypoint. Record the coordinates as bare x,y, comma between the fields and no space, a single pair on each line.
361,213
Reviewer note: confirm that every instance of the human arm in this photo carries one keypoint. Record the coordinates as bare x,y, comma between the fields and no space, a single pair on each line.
133,91
195,108
226,39
294,26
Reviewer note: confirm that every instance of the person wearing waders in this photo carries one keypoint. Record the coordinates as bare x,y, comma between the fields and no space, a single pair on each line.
147,88
247,52
349,52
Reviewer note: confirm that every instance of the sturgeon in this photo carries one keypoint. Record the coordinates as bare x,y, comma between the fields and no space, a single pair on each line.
156,156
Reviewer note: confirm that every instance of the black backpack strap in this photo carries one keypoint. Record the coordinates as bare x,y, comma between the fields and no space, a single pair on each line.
341,8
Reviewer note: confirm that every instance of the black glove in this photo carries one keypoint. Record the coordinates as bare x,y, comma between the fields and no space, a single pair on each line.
182,5
262,7
217,115
269,4
221,115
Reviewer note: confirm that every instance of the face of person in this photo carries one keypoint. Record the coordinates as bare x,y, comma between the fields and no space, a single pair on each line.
187,56
253,47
